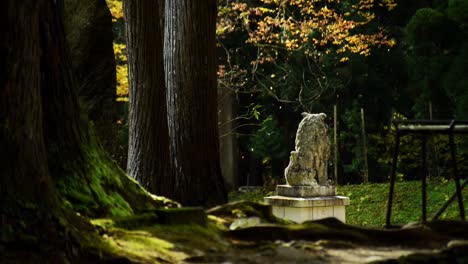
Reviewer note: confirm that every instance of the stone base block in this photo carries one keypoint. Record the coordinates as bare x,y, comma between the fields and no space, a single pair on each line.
306,191
300,210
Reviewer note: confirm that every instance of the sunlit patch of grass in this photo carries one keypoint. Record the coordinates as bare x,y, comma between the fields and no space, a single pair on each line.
157,243
142,246
369,201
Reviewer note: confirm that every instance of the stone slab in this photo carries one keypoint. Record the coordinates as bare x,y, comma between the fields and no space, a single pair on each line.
303,214
306,191
300,202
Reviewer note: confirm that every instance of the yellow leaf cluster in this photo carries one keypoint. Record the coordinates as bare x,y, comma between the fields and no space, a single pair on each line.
320,24
115,7
122,82
119,52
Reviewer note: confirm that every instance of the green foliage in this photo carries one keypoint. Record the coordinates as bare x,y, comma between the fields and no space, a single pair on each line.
426,26
381,148
458,10
351,134
456,81
267,142
419,58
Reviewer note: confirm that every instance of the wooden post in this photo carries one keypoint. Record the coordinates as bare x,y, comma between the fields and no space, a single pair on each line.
430,109
364,147
432,153
335,141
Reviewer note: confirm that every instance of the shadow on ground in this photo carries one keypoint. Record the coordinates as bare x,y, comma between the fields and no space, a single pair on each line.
247,232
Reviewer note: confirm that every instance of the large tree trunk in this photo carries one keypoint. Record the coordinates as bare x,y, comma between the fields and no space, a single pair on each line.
24,173
148,149
88,29
229,152
30,212
190,67
45,140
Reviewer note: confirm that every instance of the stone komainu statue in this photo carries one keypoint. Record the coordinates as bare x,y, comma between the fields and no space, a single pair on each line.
309,161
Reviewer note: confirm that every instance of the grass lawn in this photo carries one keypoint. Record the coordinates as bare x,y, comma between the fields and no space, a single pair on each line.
369,201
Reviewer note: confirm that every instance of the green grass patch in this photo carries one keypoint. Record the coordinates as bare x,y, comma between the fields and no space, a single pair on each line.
369,201
254,196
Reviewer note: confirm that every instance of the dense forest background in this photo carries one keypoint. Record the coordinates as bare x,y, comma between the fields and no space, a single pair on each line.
189,100
374,60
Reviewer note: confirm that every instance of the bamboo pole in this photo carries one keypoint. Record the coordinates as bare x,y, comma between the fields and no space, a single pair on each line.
335,141
364,148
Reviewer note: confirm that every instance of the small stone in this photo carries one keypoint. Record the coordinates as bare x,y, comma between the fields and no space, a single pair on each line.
457,243
245,222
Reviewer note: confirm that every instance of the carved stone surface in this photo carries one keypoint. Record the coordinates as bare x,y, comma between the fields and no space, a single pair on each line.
308,162
306,191
302,202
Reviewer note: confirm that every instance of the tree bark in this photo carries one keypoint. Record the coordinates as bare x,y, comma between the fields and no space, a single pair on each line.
148,149
65,127
190,75
47,149
228,139
24,173
88,29
29,204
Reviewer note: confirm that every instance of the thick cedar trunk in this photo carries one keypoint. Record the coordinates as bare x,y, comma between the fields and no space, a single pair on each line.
190,68
30,55
228,140
88,29
24,173
65,128
148,150
45,140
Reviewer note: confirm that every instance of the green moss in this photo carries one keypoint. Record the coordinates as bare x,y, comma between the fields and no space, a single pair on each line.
191,238
103,222
246,209
95,186
155,243
141,247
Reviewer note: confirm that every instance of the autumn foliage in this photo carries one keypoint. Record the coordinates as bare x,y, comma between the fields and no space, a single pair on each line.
316,28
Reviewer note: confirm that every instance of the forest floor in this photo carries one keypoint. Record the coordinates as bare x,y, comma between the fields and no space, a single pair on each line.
245,232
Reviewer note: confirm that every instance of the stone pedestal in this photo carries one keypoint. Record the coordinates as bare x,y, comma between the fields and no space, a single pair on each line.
308,195
305,203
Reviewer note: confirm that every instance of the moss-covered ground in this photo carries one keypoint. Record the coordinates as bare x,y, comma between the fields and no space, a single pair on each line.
102,189
171,236
247,232
143,239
